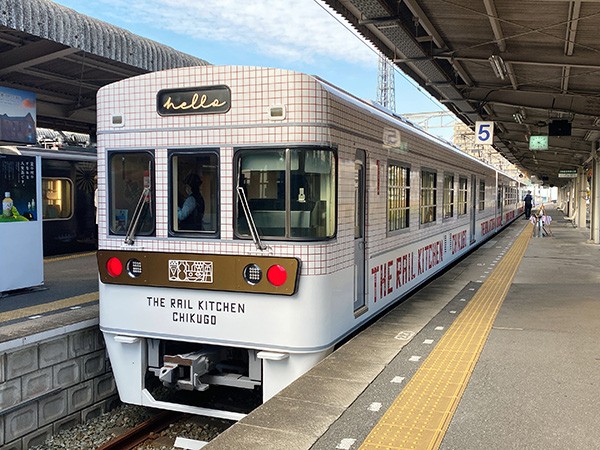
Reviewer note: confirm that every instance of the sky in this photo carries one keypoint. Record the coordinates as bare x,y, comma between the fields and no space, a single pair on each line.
301,35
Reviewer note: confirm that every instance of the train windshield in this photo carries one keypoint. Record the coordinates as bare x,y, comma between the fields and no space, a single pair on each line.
194,186
129,174
290,192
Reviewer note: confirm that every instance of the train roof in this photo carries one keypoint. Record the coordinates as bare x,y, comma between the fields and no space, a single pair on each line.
72,153
366,105
389,115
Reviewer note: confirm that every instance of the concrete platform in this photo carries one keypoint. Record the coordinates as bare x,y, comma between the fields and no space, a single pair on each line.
68,298
534,387
54,372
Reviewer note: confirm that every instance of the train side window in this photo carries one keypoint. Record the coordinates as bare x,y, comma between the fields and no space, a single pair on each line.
428,196
462,195
194,191
291,193
448,203
398,197
481,195
57,198
510,196
131,182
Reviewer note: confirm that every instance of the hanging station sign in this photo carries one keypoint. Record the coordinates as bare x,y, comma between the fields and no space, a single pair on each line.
484,132
567,173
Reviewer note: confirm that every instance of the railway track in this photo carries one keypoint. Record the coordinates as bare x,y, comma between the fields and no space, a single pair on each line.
143,432
161,431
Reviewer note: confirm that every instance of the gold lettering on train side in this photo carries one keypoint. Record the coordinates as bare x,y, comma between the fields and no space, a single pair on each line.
194,103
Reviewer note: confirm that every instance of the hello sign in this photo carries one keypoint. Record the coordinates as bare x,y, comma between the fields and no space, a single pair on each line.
199,100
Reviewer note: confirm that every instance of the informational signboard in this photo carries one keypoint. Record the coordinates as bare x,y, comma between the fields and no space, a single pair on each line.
17,116
18,189
484,132
21,245
567,173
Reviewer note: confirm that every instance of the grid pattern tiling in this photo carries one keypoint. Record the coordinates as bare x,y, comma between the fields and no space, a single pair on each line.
314,114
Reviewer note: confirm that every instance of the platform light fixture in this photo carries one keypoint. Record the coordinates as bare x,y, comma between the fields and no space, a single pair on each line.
519,118
498,66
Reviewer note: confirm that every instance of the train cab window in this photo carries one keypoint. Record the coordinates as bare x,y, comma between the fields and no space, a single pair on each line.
398,197
57,198
428,196
290,193
194,192
462,195
131,193
448,205
481,195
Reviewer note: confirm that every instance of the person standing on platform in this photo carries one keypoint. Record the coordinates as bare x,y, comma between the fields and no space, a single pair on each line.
528,204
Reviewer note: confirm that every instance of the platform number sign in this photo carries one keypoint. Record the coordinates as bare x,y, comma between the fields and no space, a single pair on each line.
484,132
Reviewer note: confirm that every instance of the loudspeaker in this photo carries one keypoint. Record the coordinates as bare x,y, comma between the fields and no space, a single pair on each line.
559,128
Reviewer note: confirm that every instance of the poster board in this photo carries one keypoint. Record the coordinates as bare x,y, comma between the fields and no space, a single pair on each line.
21,234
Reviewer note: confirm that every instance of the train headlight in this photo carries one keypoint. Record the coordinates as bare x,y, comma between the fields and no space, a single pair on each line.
277,275
114,267
134,268
252,274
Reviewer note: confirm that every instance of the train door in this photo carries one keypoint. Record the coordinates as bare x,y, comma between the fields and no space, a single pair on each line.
500,189
473,206
359,230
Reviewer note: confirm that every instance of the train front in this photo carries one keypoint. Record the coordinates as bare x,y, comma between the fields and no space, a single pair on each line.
205,228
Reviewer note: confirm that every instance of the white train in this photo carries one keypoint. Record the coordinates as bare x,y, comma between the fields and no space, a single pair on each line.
318,211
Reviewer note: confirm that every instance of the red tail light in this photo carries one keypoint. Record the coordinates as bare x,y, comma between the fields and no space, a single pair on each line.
276,275
114,267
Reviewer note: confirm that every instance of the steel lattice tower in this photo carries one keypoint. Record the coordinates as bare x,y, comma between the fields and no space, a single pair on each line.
386,90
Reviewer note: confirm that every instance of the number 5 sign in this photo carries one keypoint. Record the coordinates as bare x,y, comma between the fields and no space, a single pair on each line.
484,133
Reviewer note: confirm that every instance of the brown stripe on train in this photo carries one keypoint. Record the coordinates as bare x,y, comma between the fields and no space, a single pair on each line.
198,271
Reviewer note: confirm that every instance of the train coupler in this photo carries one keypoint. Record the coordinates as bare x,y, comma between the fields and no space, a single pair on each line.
184,371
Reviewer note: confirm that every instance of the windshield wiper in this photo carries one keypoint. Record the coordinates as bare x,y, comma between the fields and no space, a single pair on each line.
131,230
250,219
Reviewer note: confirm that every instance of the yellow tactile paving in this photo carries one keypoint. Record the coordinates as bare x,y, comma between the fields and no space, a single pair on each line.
65,257
47,307
421,414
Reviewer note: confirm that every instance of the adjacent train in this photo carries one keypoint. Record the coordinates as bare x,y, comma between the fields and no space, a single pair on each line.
319,211
68,205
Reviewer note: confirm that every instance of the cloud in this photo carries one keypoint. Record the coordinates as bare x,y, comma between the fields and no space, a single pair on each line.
300,30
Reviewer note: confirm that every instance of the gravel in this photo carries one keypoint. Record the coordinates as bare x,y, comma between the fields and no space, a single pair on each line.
99,430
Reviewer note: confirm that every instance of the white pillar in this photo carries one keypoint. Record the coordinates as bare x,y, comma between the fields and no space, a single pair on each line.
595,198
581,193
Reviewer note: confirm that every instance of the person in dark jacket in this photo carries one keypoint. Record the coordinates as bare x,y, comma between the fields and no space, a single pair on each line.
528,205
191,213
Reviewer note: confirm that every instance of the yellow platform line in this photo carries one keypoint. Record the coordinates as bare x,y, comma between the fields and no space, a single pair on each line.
421,414
65,257
48,307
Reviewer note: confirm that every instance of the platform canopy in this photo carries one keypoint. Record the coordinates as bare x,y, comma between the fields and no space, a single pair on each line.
64,57
531,67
